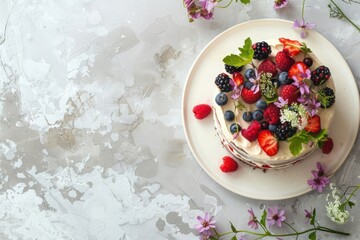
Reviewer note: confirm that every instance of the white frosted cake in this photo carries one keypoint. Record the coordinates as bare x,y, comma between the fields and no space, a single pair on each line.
275,109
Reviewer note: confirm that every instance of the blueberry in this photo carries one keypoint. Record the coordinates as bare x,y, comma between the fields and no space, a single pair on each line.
249,73
272,128
257,115
248,85
283,78
264,125
221,99
247,116
261,104
234,128
308,61
229,115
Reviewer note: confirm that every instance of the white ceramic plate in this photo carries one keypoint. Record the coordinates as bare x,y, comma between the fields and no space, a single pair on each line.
205,144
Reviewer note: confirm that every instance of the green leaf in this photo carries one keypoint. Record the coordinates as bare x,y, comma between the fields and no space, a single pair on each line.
320,136
263,218
234,238
313,217
296,141
351,204
245,56
245,1
312,236
232,227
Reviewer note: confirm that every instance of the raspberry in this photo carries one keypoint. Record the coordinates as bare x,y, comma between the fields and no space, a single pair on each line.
267,66
284,61
229,165
327,146
261,50
320,75
251,133
284,131
272,114
201,111
223,82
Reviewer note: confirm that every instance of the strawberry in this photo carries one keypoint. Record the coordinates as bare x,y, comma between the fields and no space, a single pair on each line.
249,96
201,111
229,165
283,60
292,46
290,93
297,70
251,133
327,146
313,124
238,78
268,142
267,66
272,114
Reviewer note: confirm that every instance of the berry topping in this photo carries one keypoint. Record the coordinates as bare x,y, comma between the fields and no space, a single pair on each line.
326,96
249,73
229,115
284,79
257,115
294,47
201,111
264,125
238,78
320,75
229,165
272,128
268,142
223,82
234,128
284,131
248,85
232,69
267,66
221,99
298,71
247,116
313,124
261,104
249,96
308,61
290,93
272,114
327,146
261,50
251,133
284,61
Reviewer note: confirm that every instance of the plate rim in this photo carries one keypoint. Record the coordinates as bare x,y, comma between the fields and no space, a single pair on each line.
185,93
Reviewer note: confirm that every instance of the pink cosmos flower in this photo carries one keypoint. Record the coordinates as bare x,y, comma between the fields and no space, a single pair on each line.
275,216
303,27
253,223
205,224
281,102
280,4
308,215
320,180
312,106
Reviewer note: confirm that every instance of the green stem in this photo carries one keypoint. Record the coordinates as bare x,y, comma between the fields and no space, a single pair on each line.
291,227
351,194
343,14
225,5
302,9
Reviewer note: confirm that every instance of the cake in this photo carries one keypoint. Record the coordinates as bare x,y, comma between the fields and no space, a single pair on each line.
274,103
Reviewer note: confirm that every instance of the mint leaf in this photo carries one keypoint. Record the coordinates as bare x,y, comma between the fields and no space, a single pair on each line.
245,56
296,142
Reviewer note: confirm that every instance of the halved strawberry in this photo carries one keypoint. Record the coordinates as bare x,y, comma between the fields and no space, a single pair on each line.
238,78
249,96
229,165
313,124
292,46
297,70
268,142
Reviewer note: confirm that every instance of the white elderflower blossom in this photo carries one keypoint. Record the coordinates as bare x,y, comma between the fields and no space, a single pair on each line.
296,114
335,209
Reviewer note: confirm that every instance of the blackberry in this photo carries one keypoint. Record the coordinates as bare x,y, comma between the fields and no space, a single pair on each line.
320,75
223,82
232,69
284,131
326,97
262,50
